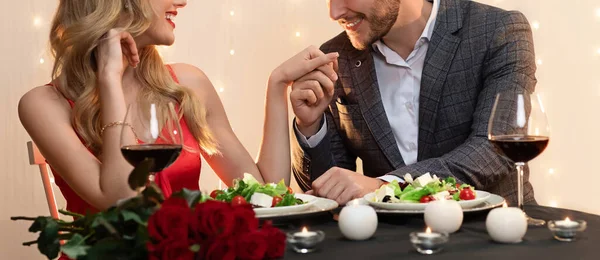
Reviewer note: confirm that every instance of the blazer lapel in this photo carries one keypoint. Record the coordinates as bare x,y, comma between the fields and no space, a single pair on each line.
364,78
439,57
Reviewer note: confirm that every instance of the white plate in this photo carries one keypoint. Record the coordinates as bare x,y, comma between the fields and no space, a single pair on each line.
310,200
482,196
314,206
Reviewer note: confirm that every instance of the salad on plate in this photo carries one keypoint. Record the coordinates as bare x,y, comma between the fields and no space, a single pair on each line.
423,189
249,190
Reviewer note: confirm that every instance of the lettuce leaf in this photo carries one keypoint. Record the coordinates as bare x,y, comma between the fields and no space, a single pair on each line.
288,200
396,187
414,195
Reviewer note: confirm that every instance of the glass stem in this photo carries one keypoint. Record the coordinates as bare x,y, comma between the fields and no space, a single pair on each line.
520,167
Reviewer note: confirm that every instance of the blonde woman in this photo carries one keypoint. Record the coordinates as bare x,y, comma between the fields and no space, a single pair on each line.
105,60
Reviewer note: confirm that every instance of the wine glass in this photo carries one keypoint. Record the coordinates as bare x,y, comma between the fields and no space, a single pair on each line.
151,132
519,129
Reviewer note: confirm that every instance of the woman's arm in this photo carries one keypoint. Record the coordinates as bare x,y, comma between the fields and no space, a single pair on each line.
47,118
273,162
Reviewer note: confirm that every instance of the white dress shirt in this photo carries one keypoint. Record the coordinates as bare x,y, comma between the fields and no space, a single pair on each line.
399,84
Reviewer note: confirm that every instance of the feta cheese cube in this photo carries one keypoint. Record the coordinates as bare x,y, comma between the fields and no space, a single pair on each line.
422,180
382,192
408,178
261,199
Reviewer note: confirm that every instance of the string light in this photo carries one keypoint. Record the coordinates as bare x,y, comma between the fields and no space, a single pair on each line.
598,12
232,52
297,34
551,171
540,62
42,61
598,51
37,21
221,90
232,13
535,25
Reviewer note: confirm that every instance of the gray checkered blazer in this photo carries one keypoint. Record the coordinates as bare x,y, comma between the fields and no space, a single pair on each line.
476,51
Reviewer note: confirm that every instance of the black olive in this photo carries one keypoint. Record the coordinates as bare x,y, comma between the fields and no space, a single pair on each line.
386,198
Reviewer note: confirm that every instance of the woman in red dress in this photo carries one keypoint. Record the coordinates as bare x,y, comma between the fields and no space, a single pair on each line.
105,60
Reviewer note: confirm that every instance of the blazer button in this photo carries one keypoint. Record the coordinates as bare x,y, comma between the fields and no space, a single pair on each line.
358,63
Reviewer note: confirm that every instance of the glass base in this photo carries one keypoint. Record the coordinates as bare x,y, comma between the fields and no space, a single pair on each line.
535,222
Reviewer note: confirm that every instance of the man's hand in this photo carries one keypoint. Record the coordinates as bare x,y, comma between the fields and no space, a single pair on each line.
343,185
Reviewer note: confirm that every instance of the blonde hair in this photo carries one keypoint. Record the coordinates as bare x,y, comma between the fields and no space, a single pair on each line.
76,29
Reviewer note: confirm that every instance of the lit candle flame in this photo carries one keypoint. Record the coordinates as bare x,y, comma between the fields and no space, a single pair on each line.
504,205
428,230
567,219
304,230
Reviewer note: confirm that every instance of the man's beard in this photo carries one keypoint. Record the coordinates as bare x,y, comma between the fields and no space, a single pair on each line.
381,19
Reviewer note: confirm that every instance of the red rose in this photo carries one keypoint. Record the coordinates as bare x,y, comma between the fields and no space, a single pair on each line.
172,220
222,248
275,239
171,249
168,229
250,245
245,219
213,219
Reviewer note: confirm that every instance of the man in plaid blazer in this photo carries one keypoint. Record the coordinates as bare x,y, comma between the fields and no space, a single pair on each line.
417,82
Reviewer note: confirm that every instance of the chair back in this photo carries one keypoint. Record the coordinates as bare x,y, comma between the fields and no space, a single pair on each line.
36,158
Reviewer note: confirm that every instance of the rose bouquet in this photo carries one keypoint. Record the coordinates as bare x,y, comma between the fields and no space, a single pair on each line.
188,225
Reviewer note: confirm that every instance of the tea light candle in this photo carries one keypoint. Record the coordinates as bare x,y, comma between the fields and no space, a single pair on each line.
428,242
305,233
357,222
506,224
567,223
566,230
305,241
443,216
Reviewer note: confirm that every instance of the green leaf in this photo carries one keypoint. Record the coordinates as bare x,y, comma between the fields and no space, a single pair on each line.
195,248
288,200
153,193
39,224
451,180
76,247
48,242
396,187
456,196
192,197
139,176
128,216
414,195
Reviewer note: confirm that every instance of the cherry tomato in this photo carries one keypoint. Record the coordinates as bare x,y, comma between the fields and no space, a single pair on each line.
426,199
238,200
458,186
214,193
467,194
290,191
276,200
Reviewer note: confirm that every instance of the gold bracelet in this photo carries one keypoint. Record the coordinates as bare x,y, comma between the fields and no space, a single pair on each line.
116,123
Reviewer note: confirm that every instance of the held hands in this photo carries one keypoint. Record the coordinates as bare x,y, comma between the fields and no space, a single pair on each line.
311,95
343,185
308,60
116,49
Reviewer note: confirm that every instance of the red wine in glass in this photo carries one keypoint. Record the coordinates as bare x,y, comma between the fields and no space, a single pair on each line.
520,148
162,155
518,129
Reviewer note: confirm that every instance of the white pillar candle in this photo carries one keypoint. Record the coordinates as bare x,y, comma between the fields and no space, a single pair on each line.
443,216
357,222
506,225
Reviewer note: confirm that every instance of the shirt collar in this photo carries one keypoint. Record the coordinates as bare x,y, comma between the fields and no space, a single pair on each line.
427,32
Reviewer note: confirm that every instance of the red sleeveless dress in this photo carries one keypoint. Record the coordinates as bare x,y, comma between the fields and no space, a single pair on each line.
183,173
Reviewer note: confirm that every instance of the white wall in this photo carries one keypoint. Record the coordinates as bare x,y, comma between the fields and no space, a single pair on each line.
263,34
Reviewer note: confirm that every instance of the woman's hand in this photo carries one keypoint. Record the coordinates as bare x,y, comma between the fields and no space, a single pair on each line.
303,63
116,49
